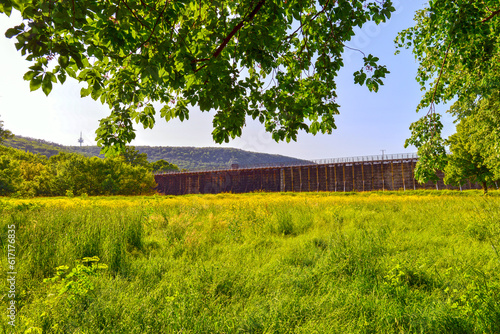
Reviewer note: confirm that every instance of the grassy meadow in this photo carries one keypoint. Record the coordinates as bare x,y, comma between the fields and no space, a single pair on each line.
381,262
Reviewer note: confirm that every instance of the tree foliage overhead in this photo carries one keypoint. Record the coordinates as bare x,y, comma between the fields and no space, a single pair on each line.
457,44
275,61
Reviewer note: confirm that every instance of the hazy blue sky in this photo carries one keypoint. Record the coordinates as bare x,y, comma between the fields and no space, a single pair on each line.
368,123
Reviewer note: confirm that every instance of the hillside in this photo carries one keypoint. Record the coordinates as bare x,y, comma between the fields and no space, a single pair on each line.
190,158
195,158
36,146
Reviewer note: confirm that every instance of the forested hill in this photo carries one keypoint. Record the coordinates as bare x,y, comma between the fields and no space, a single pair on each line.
190,158
196,158
35,146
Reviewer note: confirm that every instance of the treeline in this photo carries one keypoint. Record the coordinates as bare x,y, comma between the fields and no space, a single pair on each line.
25,174
202,158
187,158
33,145
199,158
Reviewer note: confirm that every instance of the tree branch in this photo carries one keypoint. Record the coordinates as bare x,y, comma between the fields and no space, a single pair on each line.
154,27
495,13
354,49
231,34
131,11
74,13
441,72
311,19
238,27
146,5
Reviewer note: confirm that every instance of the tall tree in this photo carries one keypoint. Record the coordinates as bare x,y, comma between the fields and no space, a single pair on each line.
4,133
275,61
161,166
132,156
473,158
457,44
426,136
10,175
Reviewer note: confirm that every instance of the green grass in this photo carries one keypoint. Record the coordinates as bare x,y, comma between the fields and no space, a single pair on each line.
412,262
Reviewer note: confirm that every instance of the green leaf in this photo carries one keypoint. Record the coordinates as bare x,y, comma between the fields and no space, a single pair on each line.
6,7
47,84
11,32
62,77
35,83
63,61
28,76
314,128
85,92
167,113
359,77
52,77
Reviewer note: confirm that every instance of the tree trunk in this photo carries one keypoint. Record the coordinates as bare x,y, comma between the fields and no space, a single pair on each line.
485,187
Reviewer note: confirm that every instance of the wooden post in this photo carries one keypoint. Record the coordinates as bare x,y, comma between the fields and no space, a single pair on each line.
213,183
371,188
274,178
317,178
353,186
309,178
383,176
413,176
282,180
392,175
403,175
219,182
300,178
343,174
327,188
335,175
363,174
291,174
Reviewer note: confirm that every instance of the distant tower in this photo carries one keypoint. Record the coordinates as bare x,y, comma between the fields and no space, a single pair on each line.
80,140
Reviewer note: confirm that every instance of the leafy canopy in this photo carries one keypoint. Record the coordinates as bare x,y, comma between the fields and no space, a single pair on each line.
457,44
476,145
275,61
24,174
161,166
134,157
426,136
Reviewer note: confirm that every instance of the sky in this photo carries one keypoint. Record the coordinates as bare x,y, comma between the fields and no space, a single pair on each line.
368,124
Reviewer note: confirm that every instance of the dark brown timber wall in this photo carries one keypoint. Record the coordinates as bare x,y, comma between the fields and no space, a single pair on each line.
350,176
